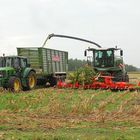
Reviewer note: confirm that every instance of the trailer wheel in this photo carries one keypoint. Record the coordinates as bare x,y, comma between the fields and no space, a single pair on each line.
52,81
14,84
31,81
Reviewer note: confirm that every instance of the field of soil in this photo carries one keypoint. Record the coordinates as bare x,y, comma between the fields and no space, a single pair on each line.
134,77
59,114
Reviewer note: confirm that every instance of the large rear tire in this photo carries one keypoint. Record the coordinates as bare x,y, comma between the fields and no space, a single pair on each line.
14,84
31,81
126,78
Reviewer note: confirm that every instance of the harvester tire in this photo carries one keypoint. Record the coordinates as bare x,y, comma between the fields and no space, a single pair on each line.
14,84
126,78
31,81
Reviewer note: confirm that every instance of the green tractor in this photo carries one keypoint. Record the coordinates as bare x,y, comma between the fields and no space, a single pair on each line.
16,74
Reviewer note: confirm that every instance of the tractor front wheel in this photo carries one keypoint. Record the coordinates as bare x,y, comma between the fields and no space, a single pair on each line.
14,84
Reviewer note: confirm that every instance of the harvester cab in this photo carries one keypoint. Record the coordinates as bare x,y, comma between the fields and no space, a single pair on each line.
15,73
109,62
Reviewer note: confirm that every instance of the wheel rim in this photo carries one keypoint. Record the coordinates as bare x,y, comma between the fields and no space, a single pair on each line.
31,81
16,85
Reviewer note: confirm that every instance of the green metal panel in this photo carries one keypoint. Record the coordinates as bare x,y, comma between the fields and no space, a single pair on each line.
44,60
33,56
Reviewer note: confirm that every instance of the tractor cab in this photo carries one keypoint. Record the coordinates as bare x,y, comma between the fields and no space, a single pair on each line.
15,62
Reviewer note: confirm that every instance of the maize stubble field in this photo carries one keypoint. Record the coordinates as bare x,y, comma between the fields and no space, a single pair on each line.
75,114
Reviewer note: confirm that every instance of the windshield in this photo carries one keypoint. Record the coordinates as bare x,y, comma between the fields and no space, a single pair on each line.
15,62
104,58
5,62
9,62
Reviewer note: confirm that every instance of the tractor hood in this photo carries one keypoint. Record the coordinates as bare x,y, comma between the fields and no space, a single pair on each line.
6,68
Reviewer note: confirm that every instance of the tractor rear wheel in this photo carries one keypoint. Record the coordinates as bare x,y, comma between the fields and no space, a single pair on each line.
14,84
31,81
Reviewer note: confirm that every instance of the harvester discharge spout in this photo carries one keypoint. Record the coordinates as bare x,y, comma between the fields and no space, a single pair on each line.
69,37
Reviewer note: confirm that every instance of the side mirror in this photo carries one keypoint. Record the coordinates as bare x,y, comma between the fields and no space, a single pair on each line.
121,52
85,53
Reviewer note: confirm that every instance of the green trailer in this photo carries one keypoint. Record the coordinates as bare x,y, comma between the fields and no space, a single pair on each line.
49,64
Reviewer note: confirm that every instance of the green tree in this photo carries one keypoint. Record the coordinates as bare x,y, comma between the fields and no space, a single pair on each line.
74,64
130,68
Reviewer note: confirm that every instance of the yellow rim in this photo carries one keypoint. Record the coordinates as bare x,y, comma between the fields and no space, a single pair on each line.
31,81
16,85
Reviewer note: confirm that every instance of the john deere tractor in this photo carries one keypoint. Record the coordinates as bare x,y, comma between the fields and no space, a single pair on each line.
16,74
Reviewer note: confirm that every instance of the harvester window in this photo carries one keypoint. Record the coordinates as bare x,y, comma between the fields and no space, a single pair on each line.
98,58
109,53
104,58
109,59
99,54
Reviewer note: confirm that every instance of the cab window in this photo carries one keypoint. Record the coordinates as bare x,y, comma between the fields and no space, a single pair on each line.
16,63
8,62
23,63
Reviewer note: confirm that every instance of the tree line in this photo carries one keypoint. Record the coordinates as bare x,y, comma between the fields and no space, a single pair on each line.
77,63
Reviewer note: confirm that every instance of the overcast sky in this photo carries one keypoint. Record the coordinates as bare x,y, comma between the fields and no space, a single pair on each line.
26,23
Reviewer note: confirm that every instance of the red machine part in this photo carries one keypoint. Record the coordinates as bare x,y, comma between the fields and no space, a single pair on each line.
106,83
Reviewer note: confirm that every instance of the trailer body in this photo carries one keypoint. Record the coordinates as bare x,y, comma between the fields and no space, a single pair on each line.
49,64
